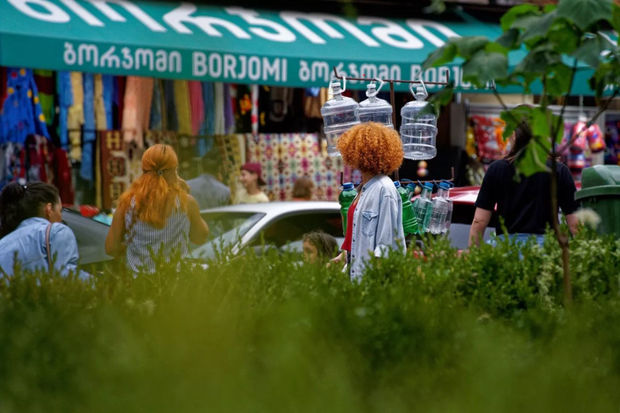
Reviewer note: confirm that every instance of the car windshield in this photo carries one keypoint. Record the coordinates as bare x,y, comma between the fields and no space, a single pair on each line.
225,229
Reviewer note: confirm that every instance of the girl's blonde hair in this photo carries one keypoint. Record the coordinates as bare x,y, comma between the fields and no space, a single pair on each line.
154,198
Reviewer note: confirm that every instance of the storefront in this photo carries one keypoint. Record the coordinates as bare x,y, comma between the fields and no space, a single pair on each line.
126,74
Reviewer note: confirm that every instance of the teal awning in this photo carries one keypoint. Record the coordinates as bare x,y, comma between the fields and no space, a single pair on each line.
227,44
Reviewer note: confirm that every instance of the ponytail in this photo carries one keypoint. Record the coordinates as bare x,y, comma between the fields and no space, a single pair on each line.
20,202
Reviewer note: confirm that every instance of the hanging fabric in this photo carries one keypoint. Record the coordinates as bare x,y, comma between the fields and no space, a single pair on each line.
21,110
254,118
136,110
44,80
208,126
196,106
88,132
65,100
242,108
3,81
62,176
181,102
157,116
218,103
75,117
101,119
172,122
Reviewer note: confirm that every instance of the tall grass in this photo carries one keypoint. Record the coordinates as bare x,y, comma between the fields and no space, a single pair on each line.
485,331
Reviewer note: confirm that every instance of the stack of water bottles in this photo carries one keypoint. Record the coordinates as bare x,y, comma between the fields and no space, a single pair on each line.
434,214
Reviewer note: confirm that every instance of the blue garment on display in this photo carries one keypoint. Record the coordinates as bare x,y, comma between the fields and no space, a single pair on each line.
208,126
108,99
155,123
65,100
89,134
22,114
172,122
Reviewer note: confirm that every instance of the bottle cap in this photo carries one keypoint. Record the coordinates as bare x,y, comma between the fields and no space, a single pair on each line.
347,186
397,184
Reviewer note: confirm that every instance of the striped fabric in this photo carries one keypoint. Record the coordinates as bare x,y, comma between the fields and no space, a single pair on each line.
145,242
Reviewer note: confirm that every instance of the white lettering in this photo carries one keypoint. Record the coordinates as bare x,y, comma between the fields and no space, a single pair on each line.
254,68
53,13
369,71
84,14
244,70
229,66
304,71
175,64
88,53
199,67
320,21
282,34
135,11
182,14
161,63
392,34
109,59
144,57
69,56
284,69
418,26
271,70
215,65
127,58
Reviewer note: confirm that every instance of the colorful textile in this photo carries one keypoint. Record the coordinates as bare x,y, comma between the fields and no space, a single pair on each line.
65,100
62,176
21,110
136,110
286,157
229,117
243,109
75,117
181,102
254,118
109,89
45,84
197,108
208,126
171,120
219,123
39,159
158,106
114,167
88,132
488,133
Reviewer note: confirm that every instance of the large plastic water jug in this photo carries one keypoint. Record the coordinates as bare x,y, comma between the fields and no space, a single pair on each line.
418,129
423,207
375,109
340,113
441,207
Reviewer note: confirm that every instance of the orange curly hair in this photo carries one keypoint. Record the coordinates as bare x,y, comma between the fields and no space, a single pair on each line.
371,147
156,199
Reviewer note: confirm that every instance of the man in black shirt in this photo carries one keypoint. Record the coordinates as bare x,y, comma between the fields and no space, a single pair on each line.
524,203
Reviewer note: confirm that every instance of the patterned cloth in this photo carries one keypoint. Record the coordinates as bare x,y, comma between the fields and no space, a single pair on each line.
286,157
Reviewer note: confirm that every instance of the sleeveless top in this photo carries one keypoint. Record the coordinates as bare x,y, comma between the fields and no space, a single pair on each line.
145,242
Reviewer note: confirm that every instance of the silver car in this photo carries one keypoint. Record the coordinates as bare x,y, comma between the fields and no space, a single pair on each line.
274,224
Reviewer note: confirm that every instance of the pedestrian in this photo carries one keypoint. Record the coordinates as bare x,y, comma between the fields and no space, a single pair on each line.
523,202
207,187
375,223
33,235
303,189
156,216
319,247
251,180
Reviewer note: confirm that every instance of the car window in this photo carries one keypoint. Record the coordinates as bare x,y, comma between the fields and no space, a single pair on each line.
292,227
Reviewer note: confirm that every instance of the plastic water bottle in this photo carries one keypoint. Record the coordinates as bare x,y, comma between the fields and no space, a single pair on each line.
440,209
339,114
375,109
418,129
346,198
423,207
448,221
410,222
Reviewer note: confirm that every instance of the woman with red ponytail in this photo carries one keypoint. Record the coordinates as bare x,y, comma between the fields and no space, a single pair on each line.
156,216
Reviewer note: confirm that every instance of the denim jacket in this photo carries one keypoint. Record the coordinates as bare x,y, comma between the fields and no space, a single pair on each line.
377,224
28,242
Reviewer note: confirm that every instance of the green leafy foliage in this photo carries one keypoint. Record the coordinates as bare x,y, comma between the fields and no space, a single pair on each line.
478,331
485,67
585,13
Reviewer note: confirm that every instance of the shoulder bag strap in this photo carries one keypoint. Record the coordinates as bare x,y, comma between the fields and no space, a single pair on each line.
47,246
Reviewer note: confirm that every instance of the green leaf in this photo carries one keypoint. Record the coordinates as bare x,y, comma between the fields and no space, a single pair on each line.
538,60
495,47
558,80
615,18
445,54
540,122
564,36
591,49
443,97
537,26
534,158
484,67
585,12
509,39
467,46
514,116
515,12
